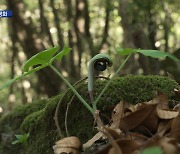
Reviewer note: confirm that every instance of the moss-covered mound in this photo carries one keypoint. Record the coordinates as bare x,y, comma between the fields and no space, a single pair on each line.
38,118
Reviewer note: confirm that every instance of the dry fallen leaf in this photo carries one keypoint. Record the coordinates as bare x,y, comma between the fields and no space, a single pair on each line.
67,145
165,113
127,146
146,125
167,147
115,133
92,140
117,114
134,119
177,92
160,98
175,128
164,126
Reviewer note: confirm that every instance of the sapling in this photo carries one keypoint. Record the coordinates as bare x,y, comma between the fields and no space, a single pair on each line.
21,139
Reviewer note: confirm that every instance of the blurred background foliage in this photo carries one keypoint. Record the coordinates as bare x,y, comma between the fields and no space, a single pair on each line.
88,27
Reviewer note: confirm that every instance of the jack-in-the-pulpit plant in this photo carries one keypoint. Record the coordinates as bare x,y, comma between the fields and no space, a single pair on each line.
98,62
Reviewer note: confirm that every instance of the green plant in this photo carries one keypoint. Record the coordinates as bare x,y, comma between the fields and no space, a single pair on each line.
21,139
99,62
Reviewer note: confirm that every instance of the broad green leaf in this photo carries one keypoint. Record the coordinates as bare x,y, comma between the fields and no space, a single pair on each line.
65,51
43,58
152,150
158,54
151,53
9,82
40,58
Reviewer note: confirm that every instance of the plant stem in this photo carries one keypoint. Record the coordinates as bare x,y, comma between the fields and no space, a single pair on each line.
73,89
106,86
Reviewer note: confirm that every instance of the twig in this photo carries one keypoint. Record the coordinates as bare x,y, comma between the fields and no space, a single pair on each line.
67,109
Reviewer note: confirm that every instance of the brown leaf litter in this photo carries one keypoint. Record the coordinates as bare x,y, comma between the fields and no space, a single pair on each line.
137,127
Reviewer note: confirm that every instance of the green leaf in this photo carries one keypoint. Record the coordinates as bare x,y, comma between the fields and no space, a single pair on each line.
40,58
158,54
21,138
43,58
15,142
18,136
152,150
24,138
151,53
65,51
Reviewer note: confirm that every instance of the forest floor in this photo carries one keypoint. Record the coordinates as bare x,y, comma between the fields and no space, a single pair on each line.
148,128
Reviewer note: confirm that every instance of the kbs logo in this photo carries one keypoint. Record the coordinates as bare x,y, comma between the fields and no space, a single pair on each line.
5,13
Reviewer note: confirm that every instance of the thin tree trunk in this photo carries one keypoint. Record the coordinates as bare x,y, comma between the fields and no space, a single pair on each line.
59,32
154,63
127,31
73,70
44,24
14,54
87,27
134,39
79,38
57,24
106,28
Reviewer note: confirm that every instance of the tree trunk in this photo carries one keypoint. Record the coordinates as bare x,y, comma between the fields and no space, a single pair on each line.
44,24
71,35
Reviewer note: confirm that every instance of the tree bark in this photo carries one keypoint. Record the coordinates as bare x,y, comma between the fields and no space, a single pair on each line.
134,35
77,26
106,27
57,24
73,68
87,29
44,24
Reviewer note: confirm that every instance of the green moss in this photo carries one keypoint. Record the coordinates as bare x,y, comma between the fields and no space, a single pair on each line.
10,125
39,120
137,89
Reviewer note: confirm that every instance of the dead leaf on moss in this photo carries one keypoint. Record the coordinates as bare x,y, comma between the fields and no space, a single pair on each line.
159,98
68,145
